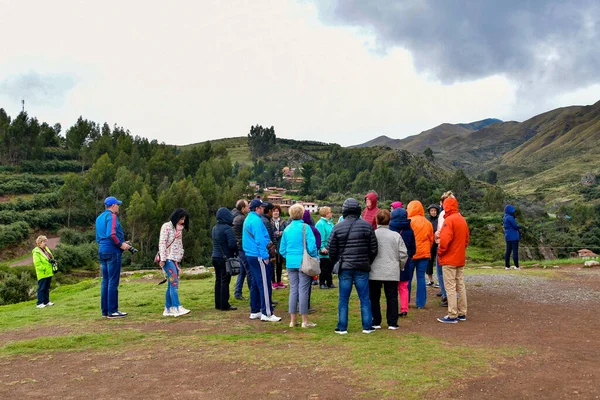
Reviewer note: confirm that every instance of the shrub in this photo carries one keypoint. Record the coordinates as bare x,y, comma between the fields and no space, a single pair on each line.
40,167
13,233
15,289
83,256
75,237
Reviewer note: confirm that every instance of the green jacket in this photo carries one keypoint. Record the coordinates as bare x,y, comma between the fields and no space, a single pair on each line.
43,268
325,227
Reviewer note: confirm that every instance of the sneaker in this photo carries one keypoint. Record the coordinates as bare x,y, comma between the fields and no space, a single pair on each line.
168,312
312,310
117,314
444,302
255,315
272,318
437,286
332,286
430,283
48,304
370,330
308,325
274,302
506,268
315,283
461,317
403,315
393,327
282,285
340,332
323,287
182,311
240,298
439,294
376,326
294,324
448,320
40,306
516,268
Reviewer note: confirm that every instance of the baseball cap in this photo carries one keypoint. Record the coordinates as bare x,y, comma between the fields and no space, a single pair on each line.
111,200
255,203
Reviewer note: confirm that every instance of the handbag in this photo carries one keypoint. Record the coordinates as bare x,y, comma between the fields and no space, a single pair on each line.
232,265
338,264
310,265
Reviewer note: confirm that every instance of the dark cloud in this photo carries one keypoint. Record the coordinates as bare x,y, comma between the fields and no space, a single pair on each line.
540,44
48,89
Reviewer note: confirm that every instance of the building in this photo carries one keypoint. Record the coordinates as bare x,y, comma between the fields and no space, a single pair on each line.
311,207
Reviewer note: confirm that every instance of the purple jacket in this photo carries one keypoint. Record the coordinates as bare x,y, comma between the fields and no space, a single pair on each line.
308,220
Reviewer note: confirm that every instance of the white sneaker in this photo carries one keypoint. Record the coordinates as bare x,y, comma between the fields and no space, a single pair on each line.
255,315
168,313
48,304
182,311
173,312
272,318
376,326
40,306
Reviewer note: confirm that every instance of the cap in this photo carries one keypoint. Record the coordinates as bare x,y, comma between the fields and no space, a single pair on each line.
110,201
255,203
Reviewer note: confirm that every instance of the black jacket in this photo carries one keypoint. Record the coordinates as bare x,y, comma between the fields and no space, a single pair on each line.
267,221
238,226
357,248
222,235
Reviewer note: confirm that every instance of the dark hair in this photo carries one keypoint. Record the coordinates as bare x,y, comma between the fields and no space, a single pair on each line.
177,215
383,217
277,207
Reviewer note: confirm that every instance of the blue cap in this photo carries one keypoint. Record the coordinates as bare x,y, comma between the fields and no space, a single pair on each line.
111,201
255,203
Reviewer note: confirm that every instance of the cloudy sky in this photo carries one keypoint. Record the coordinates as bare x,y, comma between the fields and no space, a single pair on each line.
336,71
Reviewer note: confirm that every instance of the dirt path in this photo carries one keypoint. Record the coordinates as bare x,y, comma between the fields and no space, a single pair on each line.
52,243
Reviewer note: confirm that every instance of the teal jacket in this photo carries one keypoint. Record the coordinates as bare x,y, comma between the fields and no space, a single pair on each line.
43,268
325,226
292,245
255,237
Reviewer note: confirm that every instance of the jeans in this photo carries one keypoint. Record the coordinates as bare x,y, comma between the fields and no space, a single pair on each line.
245,271
360,279
222,281
440,276
172,295
391,296
111,274
260,290
325,276
43,292
513,246
421,267
299,291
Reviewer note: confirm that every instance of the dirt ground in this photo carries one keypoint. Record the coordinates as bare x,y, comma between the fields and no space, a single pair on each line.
560,341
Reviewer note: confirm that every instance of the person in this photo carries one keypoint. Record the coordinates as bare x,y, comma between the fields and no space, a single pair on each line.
371,208
440,223
239,215
111,241
452,253
255,239
432,215
424,240
292,247
512,235
354,244
307,218
45,266
325,226
385,271
170,250
224,247
395,204
279,225
401,224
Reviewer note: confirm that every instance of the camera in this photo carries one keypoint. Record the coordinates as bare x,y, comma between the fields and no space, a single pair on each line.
132,249
54,264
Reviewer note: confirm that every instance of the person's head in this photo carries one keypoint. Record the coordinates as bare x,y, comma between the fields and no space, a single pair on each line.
256,205
180,217
242,206
433,210
111,203
41,241
396,204
450,205
325,212
307,218
415,208
351,207
268,207
383,217
276,211
224,216
371,199
445,196
510,209
296,212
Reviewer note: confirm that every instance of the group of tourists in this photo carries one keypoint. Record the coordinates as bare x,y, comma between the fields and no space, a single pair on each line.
370,249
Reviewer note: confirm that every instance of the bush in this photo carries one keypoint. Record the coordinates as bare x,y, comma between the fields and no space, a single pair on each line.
40,200
13,233
75,237
28,183
43,219
40,167
15,288
83,256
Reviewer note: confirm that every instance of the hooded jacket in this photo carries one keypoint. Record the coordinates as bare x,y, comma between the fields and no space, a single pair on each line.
454,236
309,221
370,214
433,220
224,243
511,228
401,224
238,226
422,229
325,227
292,243
391,255
43,268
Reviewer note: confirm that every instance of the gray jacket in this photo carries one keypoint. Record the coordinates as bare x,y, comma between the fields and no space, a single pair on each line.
391,255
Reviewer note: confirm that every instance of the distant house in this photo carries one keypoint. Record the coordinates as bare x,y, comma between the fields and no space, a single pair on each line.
274,198
311,207
586,254
287,202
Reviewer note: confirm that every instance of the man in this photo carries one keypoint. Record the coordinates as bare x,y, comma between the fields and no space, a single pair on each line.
239,215
454,238
354,244
371,210
439,271
111,241
255,239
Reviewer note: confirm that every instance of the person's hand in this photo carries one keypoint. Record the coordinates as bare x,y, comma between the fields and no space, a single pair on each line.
324,251
436,235
162,264
125,246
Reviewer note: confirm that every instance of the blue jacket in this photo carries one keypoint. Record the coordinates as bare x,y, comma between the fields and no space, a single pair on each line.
401,224
292,245
325,226
255,237
222,235
511,228
109,233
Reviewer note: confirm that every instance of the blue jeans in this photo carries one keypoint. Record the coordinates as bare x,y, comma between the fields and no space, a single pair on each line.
111,273
513,246
43,292
440,276
360,279
172,295
260,288
421,267
245,270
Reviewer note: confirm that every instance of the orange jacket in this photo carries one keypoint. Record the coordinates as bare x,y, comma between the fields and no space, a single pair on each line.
422,228
454,236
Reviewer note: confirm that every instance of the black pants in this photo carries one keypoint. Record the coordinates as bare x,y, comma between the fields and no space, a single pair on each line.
391,296
325,277
43,292
513,246
221,285
278,270
431,262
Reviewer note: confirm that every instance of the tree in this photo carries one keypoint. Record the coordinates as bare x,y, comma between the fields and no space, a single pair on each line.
494,199
72,194
428,154
100,177
308,169
261,140
142,221
491,177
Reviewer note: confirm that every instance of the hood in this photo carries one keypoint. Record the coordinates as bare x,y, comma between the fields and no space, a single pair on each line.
396,204
373,197
450,206
351,207
400,217
307,218
415,209
509,209
224,216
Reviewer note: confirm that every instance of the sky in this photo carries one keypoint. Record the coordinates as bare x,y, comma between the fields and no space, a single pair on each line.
335,71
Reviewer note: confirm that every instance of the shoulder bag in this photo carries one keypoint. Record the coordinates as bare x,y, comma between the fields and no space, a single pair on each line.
232,265
310,265
157,256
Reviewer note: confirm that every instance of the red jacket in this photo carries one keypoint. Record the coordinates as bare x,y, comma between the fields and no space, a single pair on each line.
370,214
454,236
422,228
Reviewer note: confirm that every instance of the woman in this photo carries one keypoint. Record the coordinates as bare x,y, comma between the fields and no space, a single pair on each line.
170,249
401,224
424,240
224,247
432,215
307,218
396,204
325,226
385,270
45,266
292,248
512,235
278,224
